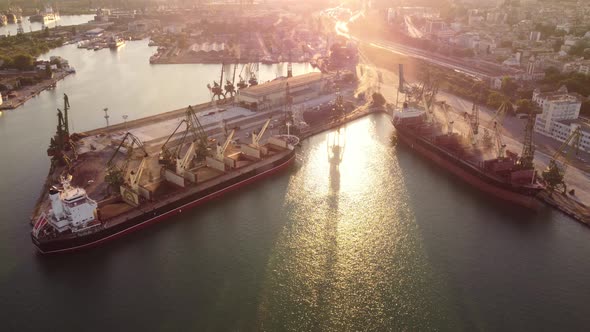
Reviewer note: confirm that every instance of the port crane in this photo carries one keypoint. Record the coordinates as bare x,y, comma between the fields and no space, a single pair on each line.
555,173
60,143
216,89
497,123
198,131
120,176
528,148
230,86
172,158
253,75
168,155
473,119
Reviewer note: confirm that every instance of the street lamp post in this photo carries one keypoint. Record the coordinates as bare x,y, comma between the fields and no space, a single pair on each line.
106,115
125,116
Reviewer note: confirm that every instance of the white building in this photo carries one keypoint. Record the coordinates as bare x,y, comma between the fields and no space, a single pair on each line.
560,116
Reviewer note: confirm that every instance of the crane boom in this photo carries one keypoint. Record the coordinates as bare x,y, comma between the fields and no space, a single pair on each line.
134,141
256,137
166,154
221,148
554,175
134,177
183,163
445,107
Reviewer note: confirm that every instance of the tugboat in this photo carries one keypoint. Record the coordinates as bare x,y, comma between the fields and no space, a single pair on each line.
115,42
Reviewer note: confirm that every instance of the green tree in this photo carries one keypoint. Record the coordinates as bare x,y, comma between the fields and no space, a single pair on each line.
509,86
524,106
48,71
495,99
557,45
46,32
23,62
579,47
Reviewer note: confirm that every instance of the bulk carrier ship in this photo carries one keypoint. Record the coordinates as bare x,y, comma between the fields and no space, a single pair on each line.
191,173
504,174
507,176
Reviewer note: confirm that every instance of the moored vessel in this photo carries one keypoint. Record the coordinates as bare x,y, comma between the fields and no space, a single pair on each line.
46,15
97,204
506,176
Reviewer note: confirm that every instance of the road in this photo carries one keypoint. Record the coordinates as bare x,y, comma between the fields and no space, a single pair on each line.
412,30
457,64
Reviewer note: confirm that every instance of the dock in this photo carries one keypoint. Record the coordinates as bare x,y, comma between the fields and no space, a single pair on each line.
153,130
568,205
29,92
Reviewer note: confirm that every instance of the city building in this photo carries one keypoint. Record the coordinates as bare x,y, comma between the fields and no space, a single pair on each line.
142,25
560,116
434,24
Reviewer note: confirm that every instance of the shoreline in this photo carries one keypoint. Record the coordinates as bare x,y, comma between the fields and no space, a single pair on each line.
28,92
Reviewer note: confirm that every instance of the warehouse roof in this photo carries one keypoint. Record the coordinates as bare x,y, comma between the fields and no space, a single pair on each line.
280,83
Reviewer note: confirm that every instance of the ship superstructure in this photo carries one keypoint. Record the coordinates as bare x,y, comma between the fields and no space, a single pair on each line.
72,211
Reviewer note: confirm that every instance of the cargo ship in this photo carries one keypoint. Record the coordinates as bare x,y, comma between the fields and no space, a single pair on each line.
47,15
507,177
71,220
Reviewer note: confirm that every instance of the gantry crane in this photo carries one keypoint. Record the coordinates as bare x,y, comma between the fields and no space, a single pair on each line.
555,173
120,176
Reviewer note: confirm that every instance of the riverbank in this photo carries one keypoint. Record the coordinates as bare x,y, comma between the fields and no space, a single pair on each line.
24,94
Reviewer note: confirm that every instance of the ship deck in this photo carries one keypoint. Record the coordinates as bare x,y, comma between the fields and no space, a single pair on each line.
169,196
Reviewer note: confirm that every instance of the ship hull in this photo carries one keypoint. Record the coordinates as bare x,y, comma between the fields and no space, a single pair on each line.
468,175
56,246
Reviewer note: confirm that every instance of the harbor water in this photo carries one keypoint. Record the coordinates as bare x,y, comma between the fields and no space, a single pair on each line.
358,235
